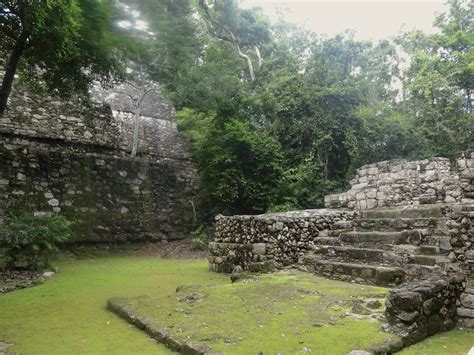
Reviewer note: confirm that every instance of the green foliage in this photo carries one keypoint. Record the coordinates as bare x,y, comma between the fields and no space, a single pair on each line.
59,45
439,84
389,134
239,166
30,241
330,103
319,107
201,238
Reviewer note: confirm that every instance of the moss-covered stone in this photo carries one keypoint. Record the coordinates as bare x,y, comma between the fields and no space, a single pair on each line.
271,313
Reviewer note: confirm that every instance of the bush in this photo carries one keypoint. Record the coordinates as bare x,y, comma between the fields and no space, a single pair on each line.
201,238
239,166
29,242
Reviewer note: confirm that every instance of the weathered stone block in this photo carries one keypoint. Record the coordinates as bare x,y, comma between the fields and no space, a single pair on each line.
259,248
467,300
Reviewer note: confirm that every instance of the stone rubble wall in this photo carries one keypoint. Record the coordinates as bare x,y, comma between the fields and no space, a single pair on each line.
39,116
61,156
465,165
420,309
264,242
460,226
460,230
465,310
401,182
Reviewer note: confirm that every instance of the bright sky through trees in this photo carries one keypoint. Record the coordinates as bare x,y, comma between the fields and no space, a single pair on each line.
373,19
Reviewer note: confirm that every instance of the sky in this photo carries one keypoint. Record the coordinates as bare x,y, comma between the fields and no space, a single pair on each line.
371,19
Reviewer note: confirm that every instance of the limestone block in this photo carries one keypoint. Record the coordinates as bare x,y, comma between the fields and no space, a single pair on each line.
372,193
465,312
53,202
372,171
467,300
259,249
371,203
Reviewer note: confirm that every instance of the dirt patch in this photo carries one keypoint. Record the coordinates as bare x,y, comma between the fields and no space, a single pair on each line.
11,280
181,249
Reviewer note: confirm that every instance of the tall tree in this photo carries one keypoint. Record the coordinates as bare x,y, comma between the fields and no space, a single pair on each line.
62,44
439,82
242,28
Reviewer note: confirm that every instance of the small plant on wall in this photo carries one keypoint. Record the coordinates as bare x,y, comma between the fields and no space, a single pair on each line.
201,238
29,242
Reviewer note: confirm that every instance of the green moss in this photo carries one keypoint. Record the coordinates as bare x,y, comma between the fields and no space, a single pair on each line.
282,312
67,314
454,342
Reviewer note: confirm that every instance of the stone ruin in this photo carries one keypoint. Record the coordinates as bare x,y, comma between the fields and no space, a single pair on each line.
73,158
406,225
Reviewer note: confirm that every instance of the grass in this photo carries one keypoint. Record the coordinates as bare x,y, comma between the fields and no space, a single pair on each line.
67,314
455,342
285,312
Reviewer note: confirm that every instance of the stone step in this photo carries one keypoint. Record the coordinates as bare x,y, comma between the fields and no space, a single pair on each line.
469,214
395,256
397,224
326,241
370,239
419,272
414,249
440,241
363,254
341,225
421,211
430,250
468,208
431,260
358,272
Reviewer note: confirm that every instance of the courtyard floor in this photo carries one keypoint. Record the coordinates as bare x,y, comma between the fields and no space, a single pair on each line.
68,315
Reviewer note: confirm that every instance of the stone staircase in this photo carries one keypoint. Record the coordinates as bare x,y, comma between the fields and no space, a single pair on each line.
385,246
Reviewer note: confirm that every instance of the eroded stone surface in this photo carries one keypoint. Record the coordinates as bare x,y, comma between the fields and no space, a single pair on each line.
61,156
263,242
401,182
420,309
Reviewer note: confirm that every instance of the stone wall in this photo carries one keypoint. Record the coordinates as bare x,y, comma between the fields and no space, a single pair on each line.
420,309
62,156
267,241
460,230
103,125
401,182
460,226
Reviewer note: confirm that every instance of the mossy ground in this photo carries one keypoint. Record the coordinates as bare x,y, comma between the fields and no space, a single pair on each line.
284,312
455,342
67,314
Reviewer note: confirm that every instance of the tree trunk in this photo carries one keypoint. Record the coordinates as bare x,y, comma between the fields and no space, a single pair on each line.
10,70
249,62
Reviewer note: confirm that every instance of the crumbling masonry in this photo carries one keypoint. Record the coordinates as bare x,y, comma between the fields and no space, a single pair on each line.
401,224
61,156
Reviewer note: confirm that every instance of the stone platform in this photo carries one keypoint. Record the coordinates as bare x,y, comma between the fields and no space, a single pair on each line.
402,224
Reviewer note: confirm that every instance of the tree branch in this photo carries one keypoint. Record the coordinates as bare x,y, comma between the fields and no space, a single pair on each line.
229,37
249,62
257,53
